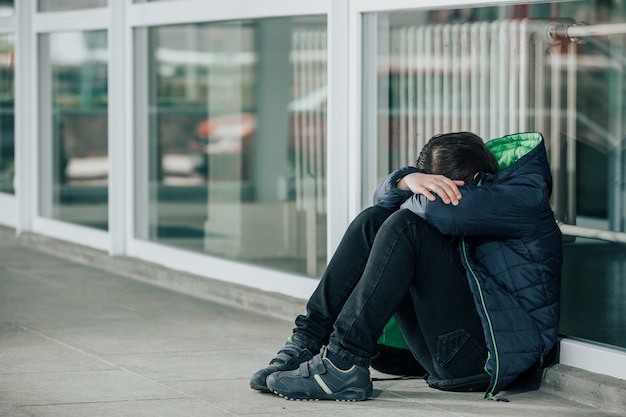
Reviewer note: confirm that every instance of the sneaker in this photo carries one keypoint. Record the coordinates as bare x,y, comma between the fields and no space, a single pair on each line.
320,379
288,358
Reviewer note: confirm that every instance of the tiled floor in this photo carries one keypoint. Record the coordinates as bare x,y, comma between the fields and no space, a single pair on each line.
77,341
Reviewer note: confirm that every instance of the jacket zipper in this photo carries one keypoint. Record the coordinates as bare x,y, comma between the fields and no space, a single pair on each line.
489,395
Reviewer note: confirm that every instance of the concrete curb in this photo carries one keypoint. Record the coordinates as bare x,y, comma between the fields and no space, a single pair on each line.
600,391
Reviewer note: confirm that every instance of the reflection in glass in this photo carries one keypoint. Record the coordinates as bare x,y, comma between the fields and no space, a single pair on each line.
593,294
74,155
60,5
7,114
494,71
235,119
6,8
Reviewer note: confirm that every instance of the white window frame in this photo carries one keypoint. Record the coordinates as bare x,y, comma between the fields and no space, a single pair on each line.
8,210
45,23
120,18
193,11
8,202
586,355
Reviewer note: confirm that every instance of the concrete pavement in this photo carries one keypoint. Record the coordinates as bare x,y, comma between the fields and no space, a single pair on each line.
76,340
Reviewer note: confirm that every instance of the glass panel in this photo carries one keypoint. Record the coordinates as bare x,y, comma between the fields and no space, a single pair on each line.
6,8
7,114
74,155
60,5
495,71
234,116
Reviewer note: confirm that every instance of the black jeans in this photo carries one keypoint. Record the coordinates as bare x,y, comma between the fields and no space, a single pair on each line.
395,263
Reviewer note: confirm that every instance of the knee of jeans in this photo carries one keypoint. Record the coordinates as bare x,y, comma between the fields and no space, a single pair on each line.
401,218
371,216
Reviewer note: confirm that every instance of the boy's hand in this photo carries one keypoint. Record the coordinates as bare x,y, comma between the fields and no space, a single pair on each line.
427,184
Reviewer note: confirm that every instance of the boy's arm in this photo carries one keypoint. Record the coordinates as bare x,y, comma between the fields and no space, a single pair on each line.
430,184
388,195
510,210
405,182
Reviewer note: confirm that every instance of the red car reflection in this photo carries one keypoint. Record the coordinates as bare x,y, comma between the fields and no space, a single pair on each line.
223,144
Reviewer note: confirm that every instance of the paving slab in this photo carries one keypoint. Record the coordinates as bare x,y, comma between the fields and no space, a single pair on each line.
187,407
184,366
27,389
18,347
10,410
76,340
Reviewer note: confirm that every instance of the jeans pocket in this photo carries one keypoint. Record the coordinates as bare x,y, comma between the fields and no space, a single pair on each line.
459,353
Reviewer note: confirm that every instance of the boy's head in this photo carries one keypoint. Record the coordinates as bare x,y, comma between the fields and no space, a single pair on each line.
458,156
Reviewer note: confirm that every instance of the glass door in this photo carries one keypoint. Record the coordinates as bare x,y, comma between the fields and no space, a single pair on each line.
594,268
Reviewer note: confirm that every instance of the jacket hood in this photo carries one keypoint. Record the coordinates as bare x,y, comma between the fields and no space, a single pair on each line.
527,148
508,149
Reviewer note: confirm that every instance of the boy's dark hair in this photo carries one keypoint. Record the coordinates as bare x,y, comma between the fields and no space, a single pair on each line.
458,156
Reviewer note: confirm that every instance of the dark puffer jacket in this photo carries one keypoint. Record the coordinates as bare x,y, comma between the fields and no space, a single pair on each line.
511,248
